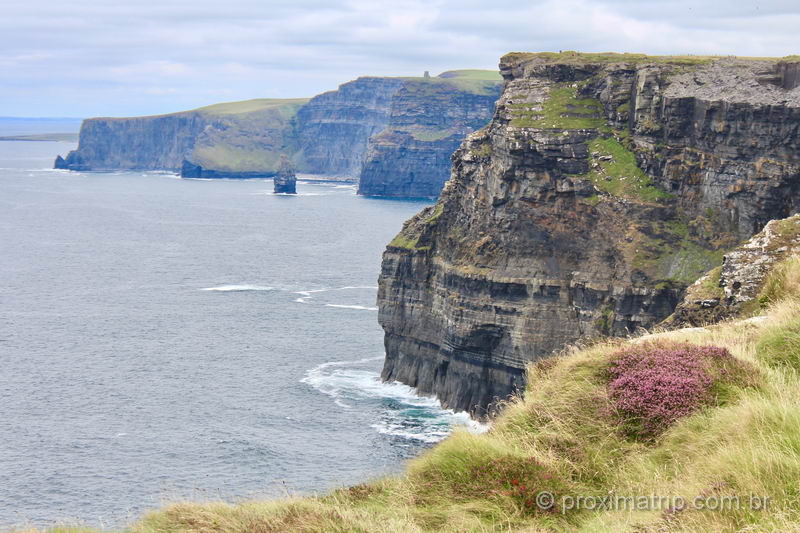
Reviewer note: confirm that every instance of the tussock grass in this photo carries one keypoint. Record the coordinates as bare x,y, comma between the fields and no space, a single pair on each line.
564,437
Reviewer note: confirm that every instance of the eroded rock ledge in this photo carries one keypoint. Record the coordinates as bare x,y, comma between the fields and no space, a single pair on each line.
604,185
734,289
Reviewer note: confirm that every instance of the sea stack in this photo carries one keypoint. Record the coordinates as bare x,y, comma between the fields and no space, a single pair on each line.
285,180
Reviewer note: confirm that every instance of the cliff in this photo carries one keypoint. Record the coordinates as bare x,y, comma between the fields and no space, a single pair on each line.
604,185
333,128
236,137
739,287
429,118
396,134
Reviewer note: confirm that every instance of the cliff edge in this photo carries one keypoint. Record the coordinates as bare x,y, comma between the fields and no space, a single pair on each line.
393,134
237,138
604,185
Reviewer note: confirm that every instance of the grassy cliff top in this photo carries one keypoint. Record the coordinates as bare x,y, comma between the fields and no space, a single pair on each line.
476,85
249,106
472,74
242,107
570,56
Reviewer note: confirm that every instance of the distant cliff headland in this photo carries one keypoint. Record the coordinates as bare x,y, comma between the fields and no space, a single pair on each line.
604,185
394,135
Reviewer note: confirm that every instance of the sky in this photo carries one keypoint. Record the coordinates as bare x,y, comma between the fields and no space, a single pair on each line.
87,58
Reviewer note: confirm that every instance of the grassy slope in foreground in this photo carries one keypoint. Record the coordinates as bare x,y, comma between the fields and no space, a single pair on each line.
566,437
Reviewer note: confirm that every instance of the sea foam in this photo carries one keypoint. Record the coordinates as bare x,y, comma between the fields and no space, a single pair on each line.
239,288
399,411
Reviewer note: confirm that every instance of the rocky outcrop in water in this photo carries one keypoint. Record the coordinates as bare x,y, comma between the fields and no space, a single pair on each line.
397,134
604,185
285,181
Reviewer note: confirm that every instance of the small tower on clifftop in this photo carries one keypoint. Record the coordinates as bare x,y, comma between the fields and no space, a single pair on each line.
285,180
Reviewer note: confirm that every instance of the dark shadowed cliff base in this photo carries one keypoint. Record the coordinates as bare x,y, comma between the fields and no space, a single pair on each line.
604,185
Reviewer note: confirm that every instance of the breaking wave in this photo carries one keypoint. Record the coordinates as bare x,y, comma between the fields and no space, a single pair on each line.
360,307
239,288
399,411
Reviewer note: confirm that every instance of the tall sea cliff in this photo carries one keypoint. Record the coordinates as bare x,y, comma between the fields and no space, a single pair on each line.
604,185
237,137
428,120
394,134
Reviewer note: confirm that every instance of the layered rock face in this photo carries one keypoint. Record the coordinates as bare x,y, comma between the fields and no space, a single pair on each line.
238,139
603,186
429,119
396,134
334,128
285,181
147,143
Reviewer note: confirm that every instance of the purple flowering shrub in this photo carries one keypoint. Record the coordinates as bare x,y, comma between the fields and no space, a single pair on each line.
652,385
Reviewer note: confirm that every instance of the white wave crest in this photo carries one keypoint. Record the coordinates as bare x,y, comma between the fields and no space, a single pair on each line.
239,288
360,307
399,410
305,296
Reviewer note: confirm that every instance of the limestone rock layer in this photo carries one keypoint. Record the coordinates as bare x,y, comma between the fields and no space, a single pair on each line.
604,185
395,135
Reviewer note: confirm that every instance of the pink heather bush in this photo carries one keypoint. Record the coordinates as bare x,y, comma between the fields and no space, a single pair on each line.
652,385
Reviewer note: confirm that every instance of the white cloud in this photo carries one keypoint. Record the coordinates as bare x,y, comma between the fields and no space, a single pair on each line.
91,57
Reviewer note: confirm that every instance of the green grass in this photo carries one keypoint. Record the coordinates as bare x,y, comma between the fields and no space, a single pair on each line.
402,240
665,251
248,136
780,282
431,135
243,107
472,74
621,176
409,237
561,110
252,106
572,57
690,262
482,150
708,288
434,87
780,346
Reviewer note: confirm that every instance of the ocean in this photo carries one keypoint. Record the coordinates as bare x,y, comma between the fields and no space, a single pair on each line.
164,339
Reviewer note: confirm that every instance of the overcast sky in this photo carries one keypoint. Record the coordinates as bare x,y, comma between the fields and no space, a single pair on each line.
85,58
